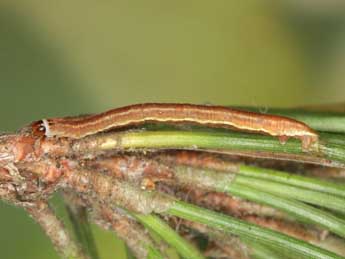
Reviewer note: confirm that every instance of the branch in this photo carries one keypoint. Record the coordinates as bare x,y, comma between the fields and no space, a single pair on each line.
55,230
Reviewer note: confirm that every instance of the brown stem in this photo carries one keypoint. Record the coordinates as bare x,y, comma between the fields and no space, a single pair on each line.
55,230
133,234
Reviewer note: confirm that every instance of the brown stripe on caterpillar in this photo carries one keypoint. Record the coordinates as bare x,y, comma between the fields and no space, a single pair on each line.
214,116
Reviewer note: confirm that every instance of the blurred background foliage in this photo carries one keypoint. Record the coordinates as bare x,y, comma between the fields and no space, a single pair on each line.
70,57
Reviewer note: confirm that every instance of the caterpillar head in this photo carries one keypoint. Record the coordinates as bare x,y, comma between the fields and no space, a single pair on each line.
41,128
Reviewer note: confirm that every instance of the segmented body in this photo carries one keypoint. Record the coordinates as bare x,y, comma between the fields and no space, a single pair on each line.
214,116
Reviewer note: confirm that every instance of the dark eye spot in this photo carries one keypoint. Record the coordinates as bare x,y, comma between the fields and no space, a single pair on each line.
42,128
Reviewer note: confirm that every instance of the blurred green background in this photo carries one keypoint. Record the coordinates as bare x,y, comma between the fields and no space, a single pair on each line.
70,57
